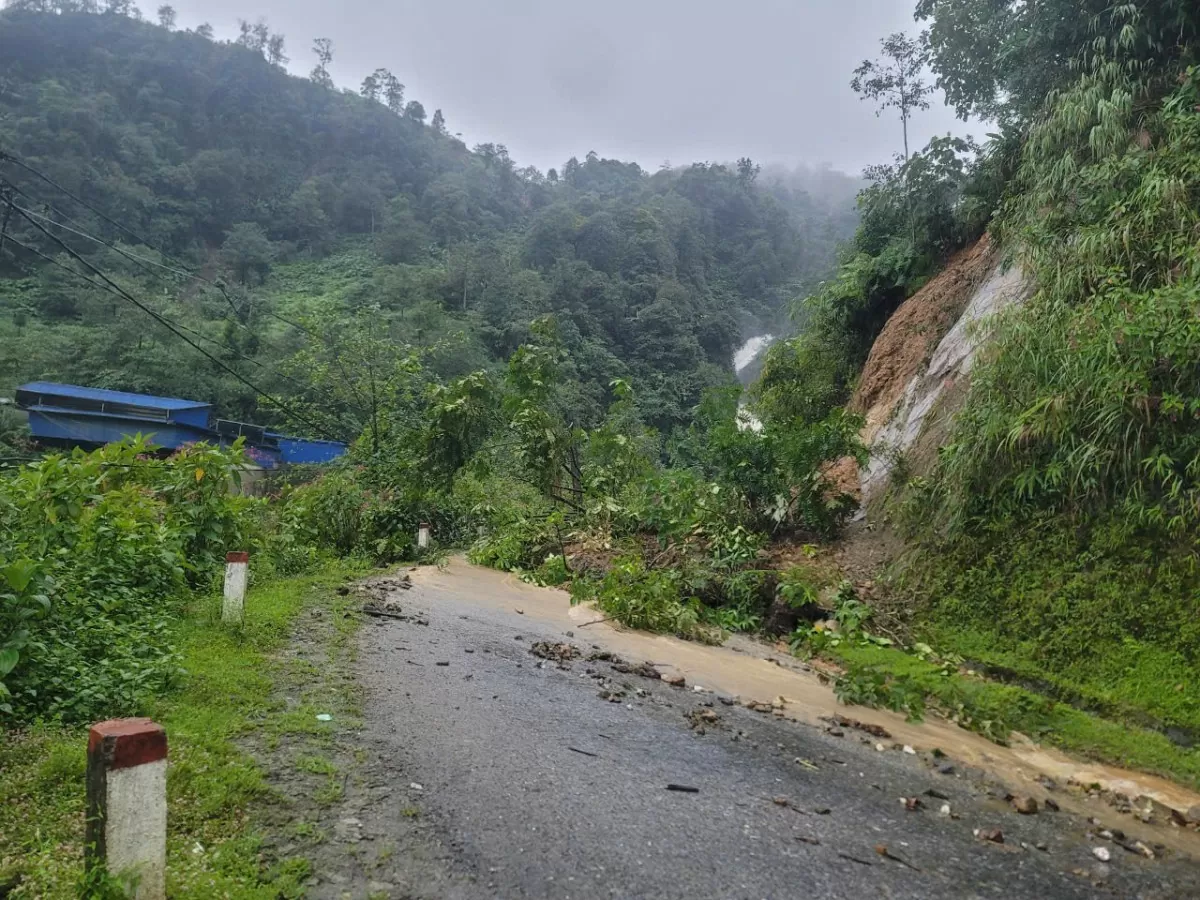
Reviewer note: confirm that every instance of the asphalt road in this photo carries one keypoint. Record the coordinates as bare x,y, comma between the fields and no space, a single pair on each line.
531,784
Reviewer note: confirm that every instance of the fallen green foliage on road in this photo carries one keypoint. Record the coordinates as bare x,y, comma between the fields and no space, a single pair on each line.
214,786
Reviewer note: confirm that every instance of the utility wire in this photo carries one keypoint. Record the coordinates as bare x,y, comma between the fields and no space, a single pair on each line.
144,262
141,260
237,322
158,315
121,292
149,262
8,157
182,271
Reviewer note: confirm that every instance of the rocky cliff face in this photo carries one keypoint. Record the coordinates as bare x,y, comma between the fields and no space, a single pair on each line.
917,373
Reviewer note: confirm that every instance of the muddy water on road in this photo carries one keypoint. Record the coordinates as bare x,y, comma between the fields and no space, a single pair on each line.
753,671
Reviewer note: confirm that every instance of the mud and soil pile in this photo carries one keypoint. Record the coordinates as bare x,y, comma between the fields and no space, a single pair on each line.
908,340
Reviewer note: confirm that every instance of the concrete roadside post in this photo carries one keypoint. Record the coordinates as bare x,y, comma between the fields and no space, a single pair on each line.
236,564
126,832
422,535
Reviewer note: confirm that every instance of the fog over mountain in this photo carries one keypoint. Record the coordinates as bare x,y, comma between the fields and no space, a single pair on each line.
677,80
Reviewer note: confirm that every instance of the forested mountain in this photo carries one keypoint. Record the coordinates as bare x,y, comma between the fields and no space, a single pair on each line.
296,200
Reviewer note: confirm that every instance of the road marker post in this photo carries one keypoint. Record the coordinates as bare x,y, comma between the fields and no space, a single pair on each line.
236,565
422,535
126,831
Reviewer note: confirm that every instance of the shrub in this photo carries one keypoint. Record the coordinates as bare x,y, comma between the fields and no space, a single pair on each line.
96,550
520,544
639,597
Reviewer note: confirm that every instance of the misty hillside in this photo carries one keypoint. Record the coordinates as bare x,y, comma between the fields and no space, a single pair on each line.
304,200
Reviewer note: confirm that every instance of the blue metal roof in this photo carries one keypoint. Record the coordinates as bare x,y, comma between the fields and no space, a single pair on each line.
71,414
102,395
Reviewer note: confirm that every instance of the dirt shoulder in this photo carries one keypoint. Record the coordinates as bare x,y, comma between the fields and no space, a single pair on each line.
339,802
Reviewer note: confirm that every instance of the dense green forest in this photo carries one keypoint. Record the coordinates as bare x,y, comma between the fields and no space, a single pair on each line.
305,202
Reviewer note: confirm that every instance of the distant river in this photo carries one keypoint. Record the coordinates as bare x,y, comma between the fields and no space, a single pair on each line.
743,361
750,350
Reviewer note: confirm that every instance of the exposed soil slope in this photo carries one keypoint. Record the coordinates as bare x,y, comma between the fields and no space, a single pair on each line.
906,344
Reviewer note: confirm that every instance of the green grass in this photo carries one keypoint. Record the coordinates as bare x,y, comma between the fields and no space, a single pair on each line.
994,708
212,784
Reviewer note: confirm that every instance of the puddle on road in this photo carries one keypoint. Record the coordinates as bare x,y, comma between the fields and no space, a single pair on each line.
751,670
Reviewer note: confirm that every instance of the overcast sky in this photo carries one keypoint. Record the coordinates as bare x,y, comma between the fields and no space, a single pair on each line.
647,80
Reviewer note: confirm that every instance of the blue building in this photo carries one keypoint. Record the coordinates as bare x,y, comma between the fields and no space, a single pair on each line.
66,415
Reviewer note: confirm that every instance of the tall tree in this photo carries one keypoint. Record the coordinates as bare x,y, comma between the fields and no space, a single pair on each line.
747,170
323,47
370,87
438,122
275,51
166,17
894,80
205,31
262,35
393,91
253,36
415,111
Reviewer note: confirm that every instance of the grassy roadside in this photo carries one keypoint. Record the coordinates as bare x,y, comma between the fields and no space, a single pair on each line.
213,848
888,676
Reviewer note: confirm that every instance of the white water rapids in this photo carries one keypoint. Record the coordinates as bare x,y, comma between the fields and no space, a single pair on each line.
750,350
745,355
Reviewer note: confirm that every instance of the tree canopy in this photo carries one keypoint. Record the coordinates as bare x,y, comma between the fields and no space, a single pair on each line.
294,199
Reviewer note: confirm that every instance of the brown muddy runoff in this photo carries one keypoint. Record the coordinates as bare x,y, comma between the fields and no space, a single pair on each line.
753,671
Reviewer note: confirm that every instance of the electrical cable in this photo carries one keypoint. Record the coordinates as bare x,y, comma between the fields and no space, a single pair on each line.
116,289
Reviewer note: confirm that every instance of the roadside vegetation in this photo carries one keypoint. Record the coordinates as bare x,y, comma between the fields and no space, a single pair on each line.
1052,545
221,700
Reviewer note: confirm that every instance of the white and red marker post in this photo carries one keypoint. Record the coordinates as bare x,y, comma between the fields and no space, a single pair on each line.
127,805
236,565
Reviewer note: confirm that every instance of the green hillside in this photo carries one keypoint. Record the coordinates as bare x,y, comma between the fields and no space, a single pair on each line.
308,201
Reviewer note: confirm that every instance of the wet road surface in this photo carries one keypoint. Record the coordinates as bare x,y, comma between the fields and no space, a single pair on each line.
531,784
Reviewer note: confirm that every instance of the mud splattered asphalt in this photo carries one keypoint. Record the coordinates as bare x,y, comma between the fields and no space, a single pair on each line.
530,784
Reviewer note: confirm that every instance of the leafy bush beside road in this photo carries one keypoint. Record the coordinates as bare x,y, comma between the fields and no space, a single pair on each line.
96,550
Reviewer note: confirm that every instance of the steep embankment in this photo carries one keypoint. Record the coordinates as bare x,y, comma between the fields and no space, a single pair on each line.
914,381
916,375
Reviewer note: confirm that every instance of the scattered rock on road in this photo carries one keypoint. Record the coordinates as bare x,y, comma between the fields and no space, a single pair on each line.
673,678
698,718
645,669
1151,810
1026,806
994,835
844,722
559,652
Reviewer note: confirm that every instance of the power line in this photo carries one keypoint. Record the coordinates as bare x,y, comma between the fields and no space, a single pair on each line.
180,270
8,157
121,292
141,260
160,316
102,242
144,262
